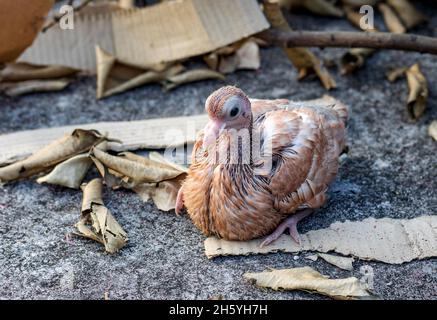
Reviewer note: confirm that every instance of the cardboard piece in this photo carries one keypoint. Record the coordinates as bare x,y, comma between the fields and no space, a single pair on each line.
165,32
388,240
20,22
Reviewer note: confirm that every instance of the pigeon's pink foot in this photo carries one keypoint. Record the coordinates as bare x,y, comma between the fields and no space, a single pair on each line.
179,202
290,224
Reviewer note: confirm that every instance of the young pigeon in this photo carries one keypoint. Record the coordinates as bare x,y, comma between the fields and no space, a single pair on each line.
261,166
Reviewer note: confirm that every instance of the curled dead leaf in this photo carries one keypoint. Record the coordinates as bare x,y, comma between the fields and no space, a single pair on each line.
409,15
245,57
174,81
132,168
432,130
116,76
418,96
308,279
395,74
24,71
319,7
157,157
14,89
69,173
97,222
354,59
79,141
344,263
153,178
391,20
163,194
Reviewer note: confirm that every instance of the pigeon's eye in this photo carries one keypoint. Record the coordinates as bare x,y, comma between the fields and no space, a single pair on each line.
234,112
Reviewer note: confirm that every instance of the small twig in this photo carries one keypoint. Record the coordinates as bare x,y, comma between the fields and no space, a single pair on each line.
375,40
58,17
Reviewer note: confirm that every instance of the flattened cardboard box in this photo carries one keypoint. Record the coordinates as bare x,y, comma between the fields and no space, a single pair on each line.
168,31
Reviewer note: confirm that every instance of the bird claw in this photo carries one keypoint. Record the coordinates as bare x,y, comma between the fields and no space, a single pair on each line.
291,225
275,235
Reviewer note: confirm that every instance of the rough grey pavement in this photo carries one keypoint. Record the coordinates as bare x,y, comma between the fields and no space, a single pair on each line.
390,172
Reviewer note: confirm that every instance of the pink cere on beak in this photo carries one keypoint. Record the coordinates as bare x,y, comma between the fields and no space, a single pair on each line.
212,131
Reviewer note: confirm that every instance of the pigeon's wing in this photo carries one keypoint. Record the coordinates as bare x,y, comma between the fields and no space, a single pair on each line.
260,107
304,143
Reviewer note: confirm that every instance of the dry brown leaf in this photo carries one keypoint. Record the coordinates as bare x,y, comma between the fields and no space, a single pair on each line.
395,74
303,59
157,157
354,59
14,89
97,222
344,263
391,20
320,7
359,3
388,240
165,189
212,60
312,257
432,130
135,168
407,12
418,96
69,173
163,194
24,71
174,81
308,279
79,141
115,76
246,56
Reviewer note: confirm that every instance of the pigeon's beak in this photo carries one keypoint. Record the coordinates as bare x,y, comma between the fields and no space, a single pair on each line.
212,131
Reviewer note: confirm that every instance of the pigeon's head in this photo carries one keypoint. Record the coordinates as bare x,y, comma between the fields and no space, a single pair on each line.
227,108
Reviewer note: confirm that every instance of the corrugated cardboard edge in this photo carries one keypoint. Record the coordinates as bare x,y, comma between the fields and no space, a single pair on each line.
388,240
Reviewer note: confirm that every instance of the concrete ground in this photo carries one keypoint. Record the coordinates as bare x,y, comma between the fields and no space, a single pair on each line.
390,172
